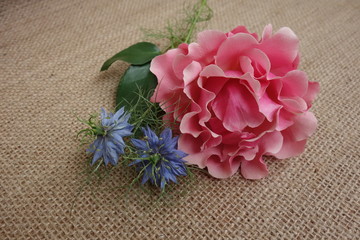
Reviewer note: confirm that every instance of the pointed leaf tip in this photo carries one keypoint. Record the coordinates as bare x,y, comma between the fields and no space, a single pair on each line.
137,54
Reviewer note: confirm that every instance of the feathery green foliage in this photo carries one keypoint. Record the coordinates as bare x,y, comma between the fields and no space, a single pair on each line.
182,31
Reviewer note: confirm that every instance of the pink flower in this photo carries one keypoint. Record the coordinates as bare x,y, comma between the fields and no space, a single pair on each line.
237,98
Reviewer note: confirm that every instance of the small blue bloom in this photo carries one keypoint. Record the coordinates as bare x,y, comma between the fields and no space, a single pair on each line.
159,159
109,143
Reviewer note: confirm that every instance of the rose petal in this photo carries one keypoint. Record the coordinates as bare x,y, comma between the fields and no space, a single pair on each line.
271,143
213,79
212,71
217,126
295,83
204,99
241,29
179,63
313,90
260,60
236,107
192,146
268,107
252,84
190,124
167,80
255,169
176,103
210,40
245,65
285,119
230,50
295,104
282,49
191,72
266,33
248,153
220,167
290,148
304,126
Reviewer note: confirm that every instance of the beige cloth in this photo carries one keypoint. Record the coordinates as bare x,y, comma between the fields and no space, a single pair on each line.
50,54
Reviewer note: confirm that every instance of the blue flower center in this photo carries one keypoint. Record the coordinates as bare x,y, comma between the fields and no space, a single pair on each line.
99,131
155,158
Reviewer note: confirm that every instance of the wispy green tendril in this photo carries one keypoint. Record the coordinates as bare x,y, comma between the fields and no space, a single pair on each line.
182,31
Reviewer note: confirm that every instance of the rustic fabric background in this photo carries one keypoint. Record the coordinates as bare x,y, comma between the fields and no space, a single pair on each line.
50,55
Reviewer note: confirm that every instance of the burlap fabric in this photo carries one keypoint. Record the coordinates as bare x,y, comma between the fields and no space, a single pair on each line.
50,54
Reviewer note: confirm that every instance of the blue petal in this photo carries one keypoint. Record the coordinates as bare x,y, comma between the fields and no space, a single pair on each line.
124,128
152,138
98,154
105,118
145,178
117,139
162,184
97,149
173,178
111,152
140,144
168,175
180,170
96,144
166,134
113,161
180,154
118,114
171,157
167,147
125,117
136,161
106,159
103,113
172,143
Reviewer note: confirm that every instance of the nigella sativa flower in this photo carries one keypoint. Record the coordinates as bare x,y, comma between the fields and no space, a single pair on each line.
109,143
159,159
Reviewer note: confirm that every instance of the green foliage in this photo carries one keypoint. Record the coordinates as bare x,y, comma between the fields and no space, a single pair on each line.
88,134
182,31
145,113
134,78
137,54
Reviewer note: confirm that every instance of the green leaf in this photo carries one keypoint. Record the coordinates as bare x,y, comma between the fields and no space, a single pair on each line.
136,80
137,54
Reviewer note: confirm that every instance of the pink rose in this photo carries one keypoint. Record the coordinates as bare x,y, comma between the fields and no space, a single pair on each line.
236,98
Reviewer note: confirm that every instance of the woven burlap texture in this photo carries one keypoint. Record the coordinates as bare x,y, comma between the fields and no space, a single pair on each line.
50,56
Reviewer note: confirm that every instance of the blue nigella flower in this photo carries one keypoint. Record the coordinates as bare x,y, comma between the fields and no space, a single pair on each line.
159,159
109,143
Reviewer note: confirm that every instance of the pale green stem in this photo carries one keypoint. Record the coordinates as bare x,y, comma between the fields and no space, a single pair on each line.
193,24
97,167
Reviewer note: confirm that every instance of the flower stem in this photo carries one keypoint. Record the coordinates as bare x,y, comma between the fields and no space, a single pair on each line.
193,23
140,120
97,167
